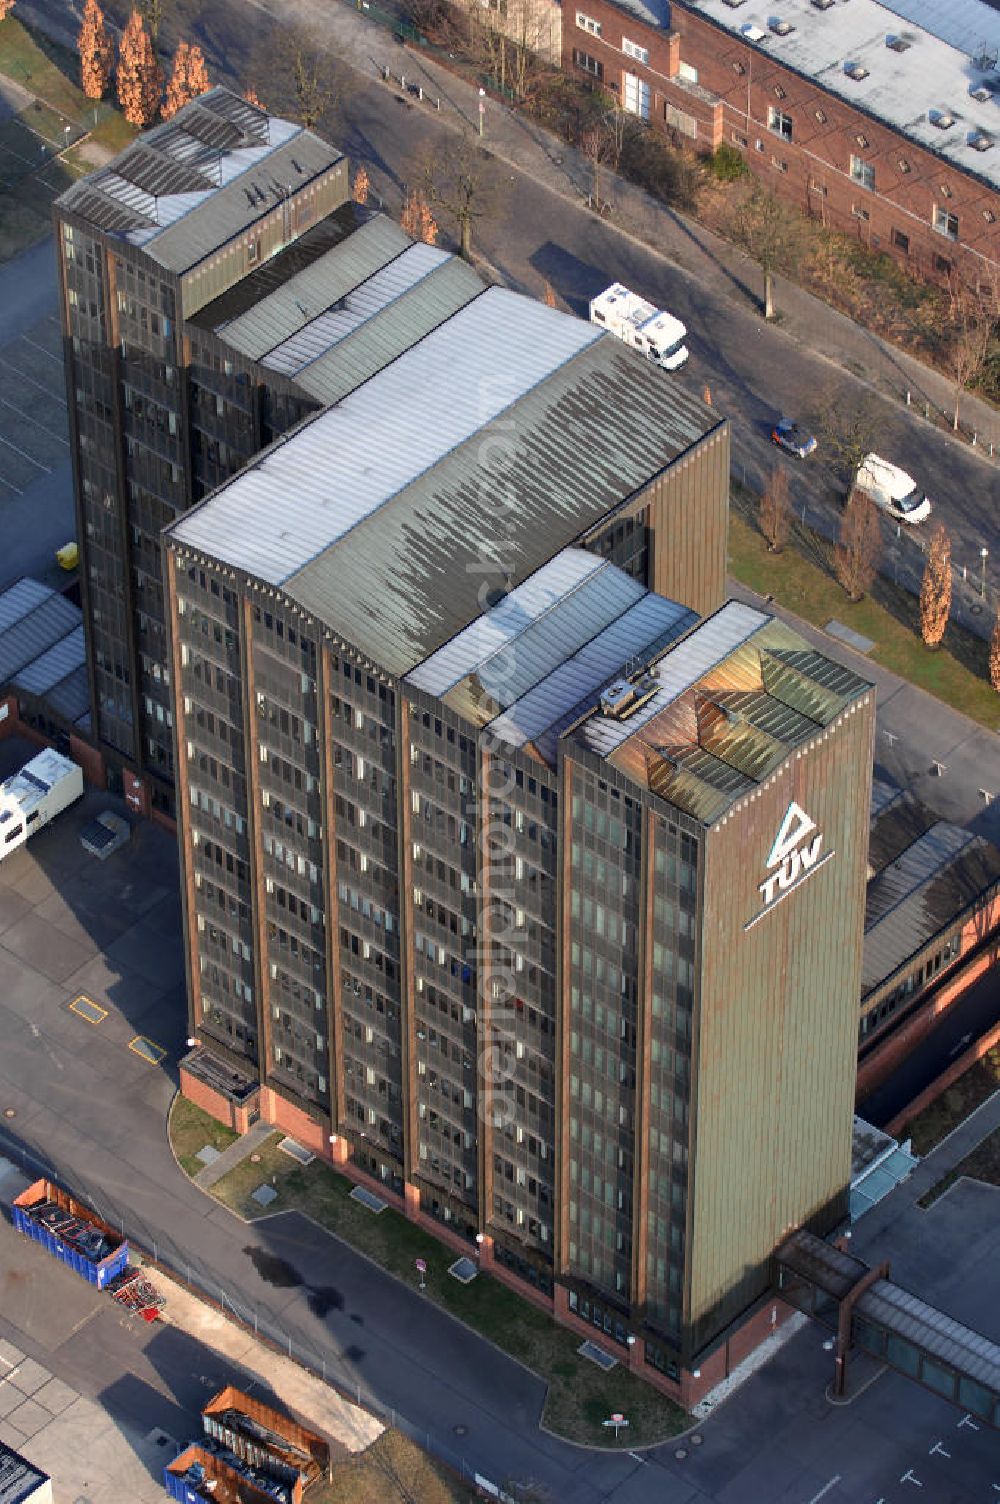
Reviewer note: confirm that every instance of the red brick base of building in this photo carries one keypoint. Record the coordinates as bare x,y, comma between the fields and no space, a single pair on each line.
312,1134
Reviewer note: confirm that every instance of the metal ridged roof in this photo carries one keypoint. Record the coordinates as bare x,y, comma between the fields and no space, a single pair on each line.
285,310
379,340
677,672
187,187
357,305
919,893
42,649
968,1352
719,721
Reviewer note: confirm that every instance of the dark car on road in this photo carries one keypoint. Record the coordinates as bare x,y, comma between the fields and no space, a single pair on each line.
793,438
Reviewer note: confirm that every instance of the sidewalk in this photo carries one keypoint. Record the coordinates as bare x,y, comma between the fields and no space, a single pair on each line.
234,1155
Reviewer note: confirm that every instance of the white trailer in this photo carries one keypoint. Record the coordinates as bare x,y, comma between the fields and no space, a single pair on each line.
42,789
658,335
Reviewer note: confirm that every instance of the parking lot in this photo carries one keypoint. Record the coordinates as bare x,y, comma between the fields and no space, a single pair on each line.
91,957
36,484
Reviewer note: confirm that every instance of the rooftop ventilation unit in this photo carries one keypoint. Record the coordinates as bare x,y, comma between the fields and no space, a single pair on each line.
752,32
822,4
779,27
857,71
622,699
732,3
982,93
985,57
980,140
898,44
943,119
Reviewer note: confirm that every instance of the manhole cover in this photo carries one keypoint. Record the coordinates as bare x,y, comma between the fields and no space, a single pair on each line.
460,1430
10,1112
681,1453
696,1441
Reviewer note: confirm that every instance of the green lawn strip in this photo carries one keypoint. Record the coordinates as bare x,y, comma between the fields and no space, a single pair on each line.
580,1395
800,579
113,130
190,1129
955,1103
983,1163
43,67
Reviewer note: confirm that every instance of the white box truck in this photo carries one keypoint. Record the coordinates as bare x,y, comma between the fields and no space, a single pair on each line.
892,489
658,335
30,798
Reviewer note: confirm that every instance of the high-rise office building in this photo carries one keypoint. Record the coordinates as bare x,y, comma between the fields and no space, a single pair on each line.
217,285
509,881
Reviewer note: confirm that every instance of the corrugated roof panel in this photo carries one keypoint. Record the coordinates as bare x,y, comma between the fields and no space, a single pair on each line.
279,315
926,1327
920,861
500,625
382,338
490,354
70,698
679,670
20,598
355,307
586,673
43,673
35,633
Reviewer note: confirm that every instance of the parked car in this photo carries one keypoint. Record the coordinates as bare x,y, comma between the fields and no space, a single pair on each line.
892,489
791,436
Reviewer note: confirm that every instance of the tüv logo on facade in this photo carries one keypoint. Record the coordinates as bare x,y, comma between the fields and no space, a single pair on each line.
793,855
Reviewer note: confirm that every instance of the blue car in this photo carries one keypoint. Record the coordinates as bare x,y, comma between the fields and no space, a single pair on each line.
788,435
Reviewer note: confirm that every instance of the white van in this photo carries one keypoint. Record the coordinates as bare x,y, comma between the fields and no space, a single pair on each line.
892,489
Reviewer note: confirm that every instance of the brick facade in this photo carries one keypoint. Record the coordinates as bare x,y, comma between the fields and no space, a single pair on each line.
837,163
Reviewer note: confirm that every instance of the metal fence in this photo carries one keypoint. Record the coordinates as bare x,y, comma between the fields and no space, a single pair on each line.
157,1249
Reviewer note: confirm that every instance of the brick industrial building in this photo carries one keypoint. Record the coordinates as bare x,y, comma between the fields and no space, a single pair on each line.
879,119
492,847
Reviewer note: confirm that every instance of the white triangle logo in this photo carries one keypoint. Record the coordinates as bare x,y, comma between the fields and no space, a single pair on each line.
794,828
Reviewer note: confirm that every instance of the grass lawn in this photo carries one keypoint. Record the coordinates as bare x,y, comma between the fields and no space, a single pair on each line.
393,1470
801,579
190,1129
47,70
580,1396
954,1104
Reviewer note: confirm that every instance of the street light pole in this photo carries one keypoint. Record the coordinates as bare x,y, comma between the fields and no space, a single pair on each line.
482,109
984,554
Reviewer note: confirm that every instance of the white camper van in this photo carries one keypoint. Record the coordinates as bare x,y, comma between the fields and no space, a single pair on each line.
658,335
892,489
32,797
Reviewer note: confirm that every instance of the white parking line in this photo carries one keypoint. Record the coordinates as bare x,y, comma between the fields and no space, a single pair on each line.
25,456
40,384
37,346
43,426
825,1489
11,486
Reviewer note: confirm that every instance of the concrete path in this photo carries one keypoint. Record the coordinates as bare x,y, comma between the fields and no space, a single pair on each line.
234,1155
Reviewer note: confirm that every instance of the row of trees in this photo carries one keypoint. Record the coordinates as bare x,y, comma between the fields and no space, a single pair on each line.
138,75
856,559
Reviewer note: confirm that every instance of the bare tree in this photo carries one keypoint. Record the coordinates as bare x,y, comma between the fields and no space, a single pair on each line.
771,232
973,319
776,510
151,12
305,79
935,589
847,430
856,556
455,183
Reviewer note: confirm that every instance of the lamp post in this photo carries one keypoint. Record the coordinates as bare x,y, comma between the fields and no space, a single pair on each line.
984,554
480,1240
482,109
67,132
192,1043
